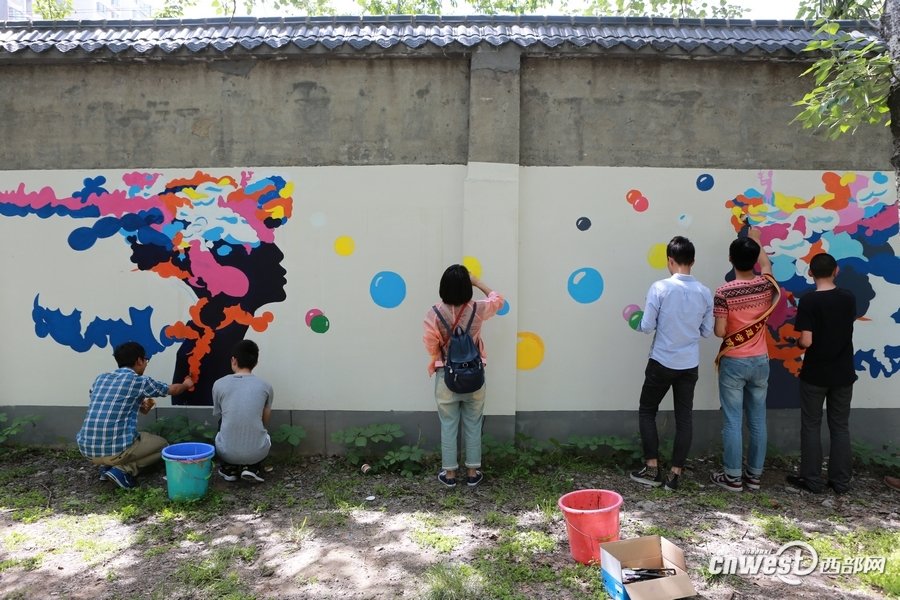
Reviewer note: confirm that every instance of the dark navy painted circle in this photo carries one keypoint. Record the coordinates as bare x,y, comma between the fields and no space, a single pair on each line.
583,223
705,182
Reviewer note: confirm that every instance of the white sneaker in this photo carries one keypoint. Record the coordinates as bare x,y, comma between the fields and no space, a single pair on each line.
248,475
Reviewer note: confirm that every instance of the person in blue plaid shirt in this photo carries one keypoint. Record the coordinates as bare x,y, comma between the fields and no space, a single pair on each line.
109,435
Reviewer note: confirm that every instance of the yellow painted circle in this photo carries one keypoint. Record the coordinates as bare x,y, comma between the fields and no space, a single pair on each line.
473,265
529,351
657,256
344,245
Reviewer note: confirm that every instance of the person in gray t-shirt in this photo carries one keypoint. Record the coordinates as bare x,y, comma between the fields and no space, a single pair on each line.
243,402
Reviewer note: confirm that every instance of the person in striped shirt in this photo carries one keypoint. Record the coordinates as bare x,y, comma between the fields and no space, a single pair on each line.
109,435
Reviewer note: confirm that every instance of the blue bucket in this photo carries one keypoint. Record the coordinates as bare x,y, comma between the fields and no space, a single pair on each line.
188,468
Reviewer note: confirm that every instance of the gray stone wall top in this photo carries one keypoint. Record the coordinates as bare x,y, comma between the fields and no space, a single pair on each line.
171,39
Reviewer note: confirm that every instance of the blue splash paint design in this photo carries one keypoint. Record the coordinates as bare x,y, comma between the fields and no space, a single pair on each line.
93,186
66,329
503,309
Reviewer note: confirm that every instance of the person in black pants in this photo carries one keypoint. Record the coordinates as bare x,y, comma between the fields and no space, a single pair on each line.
825,323
679,311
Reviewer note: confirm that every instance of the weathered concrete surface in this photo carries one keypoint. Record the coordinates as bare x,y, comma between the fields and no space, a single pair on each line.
298,113
872,426
652,112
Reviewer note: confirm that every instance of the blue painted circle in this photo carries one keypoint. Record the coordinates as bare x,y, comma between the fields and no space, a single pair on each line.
585,285
879,177
705,182
387,289
583,223
503,309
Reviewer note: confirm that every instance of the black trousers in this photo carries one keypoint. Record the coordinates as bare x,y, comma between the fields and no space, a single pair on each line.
657,381
837,403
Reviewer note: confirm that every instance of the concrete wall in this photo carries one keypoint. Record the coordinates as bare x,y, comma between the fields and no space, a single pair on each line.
419,161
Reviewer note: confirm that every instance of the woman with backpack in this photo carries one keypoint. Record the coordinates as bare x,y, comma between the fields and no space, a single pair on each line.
453,341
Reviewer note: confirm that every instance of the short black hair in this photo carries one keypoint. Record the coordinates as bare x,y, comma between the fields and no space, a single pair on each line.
822,265
681,250
127,354
456,286
246,353
744,252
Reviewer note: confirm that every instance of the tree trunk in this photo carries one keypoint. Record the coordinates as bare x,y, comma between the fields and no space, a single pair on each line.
890,30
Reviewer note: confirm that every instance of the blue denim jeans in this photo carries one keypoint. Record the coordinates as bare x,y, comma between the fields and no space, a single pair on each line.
743,384
452,408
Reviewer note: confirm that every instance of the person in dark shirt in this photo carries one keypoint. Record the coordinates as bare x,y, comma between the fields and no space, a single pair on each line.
825,324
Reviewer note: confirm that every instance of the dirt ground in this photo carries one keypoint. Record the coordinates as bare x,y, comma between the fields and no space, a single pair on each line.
319,529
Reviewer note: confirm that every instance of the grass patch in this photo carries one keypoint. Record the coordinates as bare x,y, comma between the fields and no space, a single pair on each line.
496,519
14,539
861,544
778,528
430,538
715,500
28,564
671,533
453,582
213,577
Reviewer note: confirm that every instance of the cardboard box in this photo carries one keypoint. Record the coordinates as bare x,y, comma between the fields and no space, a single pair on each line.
649,552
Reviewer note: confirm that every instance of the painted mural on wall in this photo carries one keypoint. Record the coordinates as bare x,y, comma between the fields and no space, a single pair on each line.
852,218
364,252
215,233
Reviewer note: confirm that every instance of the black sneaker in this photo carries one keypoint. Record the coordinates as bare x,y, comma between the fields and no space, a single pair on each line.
251,474
474,481
671,483
803,483
447,481
840,490
648,476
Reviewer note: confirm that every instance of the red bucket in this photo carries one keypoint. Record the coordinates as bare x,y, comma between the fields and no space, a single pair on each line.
592,518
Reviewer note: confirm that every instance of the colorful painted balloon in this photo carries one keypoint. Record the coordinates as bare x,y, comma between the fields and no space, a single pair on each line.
585,285
387,289
473,265
320,324
344,245
310,314
529,351
630,310
705,182
634,321
657,256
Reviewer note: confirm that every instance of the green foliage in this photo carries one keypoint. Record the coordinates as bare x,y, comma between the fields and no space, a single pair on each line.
611,448
289,434
53,10
16,427
852,82
677,9
839,9
886,458
181,429
407,460
174,9
365,443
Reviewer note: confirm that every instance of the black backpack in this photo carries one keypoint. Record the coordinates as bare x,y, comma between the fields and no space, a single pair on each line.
463,369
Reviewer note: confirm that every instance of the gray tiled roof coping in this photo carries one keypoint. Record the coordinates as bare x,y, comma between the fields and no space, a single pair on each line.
411,34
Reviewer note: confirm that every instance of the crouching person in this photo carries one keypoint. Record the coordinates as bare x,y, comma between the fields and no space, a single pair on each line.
243,402
109,435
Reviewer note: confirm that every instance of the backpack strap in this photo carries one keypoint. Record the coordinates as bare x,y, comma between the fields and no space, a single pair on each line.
472,317
448,328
